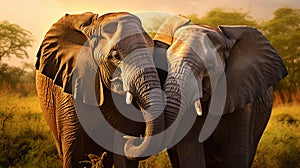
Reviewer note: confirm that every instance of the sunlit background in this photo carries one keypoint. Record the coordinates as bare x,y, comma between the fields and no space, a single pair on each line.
38,15
25,138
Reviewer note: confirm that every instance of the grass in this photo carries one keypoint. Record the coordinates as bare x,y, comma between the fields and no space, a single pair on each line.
280,143
25,139
95,161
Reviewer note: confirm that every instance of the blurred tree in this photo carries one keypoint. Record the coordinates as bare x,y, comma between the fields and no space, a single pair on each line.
29,76
14,40
283,31
10,75
221,16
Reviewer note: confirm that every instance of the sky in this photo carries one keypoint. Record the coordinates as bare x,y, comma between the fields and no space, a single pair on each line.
37,16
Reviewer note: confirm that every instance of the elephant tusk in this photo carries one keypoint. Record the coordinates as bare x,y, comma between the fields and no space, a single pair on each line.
198,107
128,137
129,98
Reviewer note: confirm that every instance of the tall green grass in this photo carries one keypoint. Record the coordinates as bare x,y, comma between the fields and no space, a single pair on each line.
26,141
280,143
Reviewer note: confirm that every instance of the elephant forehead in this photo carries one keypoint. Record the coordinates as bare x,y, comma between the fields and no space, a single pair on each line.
189,30
109,17
192,39
116,24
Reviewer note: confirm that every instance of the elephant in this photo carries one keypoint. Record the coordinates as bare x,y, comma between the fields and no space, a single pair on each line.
219,88
84,65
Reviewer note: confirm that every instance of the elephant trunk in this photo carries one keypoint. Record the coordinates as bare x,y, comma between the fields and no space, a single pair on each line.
180,89
144,85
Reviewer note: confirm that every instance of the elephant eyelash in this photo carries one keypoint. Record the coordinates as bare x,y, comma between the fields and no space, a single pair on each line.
114,54
117,56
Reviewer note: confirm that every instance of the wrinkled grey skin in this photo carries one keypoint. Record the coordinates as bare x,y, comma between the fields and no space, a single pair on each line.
251,67
83,61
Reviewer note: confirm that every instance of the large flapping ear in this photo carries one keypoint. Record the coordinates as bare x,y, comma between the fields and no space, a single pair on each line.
252,66
167,29
60,49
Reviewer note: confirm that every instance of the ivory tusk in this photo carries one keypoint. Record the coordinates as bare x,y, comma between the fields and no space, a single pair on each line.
128,137
129,98
198,107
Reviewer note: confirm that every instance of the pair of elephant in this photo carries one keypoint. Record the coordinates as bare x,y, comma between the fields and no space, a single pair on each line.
107,67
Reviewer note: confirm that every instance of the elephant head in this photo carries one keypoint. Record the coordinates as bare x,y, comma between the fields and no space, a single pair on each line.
234,62
89,55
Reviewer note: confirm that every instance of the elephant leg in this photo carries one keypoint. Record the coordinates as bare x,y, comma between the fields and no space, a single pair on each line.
120,161
76,148
246,131
232,135
212,154
76,144
189,150
261,112
235,139
72,142
238,134
191,154
173,157
45,90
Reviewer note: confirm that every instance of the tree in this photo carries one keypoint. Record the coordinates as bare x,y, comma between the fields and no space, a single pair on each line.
283,31
14,40
220,16
10,75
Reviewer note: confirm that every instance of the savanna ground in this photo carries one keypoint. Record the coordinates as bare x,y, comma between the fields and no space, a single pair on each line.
25,139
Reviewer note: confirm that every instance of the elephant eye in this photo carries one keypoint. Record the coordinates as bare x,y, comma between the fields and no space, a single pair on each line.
114,56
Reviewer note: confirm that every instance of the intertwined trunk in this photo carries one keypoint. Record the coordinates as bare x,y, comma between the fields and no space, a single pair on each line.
180,90
142,81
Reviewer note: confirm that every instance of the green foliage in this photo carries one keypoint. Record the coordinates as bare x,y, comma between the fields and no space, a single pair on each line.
16,80
220,16
14,40
283,31
11,75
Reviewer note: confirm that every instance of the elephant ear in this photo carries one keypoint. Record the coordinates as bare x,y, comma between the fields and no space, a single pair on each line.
252,66
167,29
65,55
